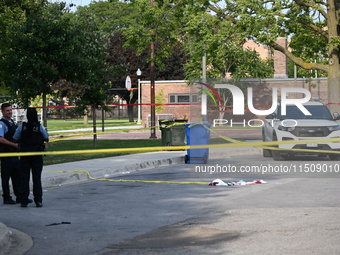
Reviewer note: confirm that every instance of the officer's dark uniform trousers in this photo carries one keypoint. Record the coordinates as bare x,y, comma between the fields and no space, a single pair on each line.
31,140
36,164
10,168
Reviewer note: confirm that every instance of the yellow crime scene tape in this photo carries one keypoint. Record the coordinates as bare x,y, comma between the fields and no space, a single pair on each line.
233,143
185,147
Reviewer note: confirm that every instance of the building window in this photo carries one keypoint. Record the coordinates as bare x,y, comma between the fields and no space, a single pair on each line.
183,98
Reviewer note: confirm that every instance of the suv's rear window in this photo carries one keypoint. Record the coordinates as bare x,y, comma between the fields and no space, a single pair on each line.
317,111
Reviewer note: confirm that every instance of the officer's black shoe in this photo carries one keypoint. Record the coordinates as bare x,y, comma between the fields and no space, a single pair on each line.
19,201
9,201
38,204
23,205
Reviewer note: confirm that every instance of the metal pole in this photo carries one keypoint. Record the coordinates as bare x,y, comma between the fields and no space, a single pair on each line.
152,92
139,107
152,86
204,94
295,76
44,113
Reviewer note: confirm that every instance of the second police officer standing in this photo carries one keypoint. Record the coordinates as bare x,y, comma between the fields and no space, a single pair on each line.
31,136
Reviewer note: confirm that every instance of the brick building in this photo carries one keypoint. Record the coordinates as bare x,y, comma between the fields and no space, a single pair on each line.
180,100
178,95
280,59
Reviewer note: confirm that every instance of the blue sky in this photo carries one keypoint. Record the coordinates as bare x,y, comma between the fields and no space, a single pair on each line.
79,2
76,2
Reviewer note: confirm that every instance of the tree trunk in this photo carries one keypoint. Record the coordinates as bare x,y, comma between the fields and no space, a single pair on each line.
103,120
334,80
94,127
130,113
86,119
334,64
334,93
44,110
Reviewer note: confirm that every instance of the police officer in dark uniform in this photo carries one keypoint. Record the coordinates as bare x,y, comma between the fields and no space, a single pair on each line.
31,136
9,165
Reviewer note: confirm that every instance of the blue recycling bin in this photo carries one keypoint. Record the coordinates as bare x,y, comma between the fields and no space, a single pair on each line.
197,134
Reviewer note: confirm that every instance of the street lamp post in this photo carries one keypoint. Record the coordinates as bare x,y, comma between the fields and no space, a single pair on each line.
139,73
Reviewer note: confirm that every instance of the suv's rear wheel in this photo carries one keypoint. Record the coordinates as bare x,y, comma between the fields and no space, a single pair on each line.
266,153
276,154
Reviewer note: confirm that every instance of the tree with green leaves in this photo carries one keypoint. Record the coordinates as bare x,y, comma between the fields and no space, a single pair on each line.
200,33
111,16
114,18
54,51
10,16
155,24
311,26
206,34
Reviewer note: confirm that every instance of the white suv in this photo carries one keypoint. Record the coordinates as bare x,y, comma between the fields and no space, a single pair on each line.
297,126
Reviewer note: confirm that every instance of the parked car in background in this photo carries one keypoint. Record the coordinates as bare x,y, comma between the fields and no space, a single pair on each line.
295,125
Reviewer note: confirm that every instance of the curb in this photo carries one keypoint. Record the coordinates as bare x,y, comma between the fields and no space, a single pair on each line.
13,241
75,177
5,234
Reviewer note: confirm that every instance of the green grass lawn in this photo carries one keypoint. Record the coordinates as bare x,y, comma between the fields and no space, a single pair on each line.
58,124
71,145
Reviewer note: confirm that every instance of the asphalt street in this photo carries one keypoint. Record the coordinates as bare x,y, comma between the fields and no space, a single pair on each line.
290,214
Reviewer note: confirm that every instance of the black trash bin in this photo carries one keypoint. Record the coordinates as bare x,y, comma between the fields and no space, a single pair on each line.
164,126
173,132
197,134
177,133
